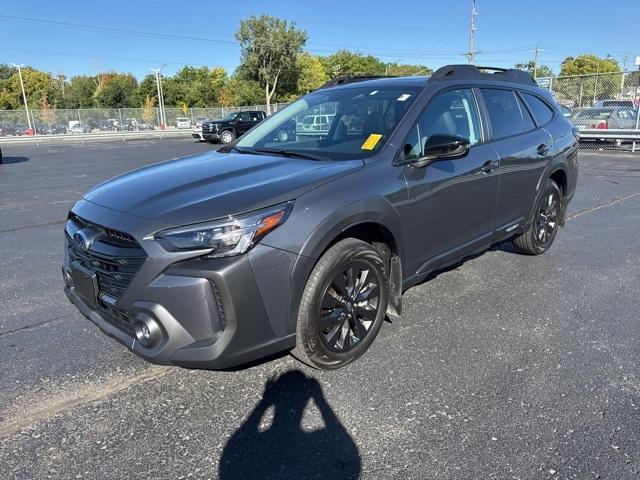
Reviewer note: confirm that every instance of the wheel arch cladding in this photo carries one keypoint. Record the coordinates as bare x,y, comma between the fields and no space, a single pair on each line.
371,220
560,177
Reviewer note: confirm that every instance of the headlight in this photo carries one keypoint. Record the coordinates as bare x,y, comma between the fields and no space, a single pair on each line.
225,237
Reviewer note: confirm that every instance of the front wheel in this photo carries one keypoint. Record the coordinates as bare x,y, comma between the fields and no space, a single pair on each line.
227,136
543,229
343,305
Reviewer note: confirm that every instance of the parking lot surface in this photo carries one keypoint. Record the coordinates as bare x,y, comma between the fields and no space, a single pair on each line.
506,366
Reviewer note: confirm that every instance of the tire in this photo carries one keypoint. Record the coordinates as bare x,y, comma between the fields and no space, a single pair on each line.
543,229
283,136
227,136
334,328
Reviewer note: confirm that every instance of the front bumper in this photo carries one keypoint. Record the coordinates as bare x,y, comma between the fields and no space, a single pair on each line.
211,313
211,136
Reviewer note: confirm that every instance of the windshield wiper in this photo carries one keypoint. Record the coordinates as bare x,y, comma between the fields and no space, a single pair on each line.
289,153
239,150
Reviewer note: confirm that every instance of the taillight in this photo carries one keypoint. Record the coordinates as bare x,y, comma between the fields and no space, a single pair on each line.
603,125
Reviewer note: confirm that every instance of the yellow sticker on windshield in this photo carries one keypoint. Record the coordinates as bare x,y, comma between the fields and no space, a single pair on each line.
371,142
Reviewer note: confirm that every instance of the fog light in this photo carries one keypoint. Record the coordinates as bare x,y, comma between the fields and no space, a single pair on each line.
148,332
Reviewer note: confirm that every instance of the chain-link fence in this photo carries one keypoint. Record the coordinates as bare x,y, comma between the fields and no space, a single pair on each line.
605,107
104,120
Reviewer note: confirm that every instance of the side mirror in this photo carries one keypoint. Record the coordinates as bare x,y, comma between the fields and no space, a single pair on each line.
442,147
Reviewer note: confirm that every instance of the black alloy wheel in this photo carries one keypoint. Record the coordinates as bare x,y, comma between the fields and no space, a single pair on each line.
343,305
547,218
349,307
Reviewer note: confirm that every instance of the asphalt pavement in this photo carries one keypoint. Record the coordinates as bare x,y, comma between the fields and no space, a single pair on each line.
506,366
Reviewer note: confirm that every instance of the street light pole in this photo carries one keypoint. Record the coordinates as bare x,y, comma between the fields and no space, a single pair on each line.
24,95
163,119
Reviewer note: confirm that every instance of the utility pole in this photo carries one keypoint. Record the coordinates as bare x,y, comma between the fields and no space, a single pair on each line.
472,53
624,69
24,95
595,83
535,62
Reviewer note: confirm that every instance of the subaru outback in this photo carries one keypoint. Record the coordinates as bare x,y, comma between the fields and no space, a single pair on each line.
307,244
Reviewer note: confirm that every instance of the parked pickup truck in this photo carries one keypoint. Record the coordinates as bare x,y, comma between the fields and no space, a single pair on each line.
232,126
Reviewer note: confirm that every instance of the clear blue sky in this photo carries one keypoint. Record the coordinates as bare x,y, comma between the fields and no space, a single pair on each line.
428,32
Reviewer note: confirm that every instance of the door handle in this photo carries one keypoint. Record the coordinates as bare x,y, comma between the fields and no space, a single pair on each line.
543,149
489,166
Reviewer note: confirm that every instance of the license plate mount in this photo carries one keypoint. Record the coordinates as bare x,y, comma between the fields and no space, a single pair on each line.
85,284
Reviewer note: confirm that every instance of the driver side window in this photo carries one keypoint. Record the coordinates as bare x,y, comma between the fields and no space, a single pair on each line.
453,112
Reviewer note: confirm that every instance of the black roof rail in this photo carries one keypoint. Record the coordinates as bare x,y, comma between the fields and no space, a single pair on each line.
334,82
472,72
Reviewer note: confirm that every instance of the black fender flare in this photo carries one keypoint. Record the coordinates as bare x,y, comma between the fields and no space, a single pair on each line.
370,210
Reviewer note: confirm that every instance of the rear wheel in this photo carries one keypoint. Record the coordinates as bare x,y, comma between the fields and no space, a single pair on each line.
283,136
227,136
542,231
343,305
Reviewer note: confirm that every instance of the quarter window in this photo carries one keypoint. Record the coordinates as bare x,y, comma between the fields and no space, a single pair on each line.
453,112
504,112
541,110
529,124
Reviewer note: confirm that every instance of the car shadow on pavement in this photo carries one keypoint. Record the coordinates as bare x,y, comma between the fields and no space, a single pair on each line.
283,449
8,160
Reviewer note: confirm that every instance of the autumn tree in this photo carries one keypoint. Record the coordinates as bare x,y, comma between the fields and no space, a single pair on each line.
270,46
148,109
46,112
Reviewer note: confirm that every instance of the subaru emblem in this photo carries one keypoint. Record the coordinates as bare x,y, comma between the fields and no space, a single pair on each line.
81,241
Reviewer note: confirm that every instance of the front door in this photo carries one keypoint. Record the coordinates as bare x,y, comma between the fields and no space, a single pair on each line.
244,123
451,201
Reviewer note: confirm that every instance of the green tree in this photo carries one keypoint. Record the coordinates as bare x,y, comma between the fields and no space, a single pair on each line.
270,46
6,71
117,90
239,91
598,78
406,70
80,92
36,84
588,63
344,62
310,72
540,70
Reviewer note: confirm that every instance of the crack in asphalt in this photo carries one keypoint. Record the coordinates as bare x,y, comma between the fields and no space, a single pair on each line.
46,224
55,406
610,203
34,325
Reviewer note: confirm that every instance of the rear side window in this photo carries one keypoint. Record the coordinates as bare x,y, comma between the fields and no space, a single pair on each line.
541,110
504,112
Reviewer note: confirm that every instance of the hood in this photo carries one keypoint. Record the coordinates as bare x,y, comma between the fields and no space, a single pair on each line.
214,185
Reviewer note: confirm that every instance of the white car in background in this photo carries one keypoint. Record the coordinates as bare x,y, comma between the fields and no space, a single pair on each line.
197,129
183,122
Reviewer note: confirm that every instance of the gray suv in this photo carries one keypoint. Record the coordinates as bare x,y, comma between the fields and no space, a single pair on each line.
307,243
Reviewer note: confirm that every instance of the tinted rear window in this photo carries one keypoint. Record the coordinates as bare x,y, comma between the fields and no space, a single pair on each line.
540,109
504,112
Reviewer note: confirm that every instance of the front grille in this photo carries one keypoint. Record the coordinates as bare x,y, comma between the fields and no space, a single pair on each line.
115,257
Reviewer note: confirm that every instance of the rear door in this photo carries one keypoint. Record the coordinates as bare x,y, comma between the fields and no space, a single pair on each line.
524,150
451,201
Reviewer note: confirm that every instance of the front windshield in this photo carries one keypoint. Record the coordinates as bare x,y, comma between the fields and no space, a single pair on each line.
230,116
338,124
